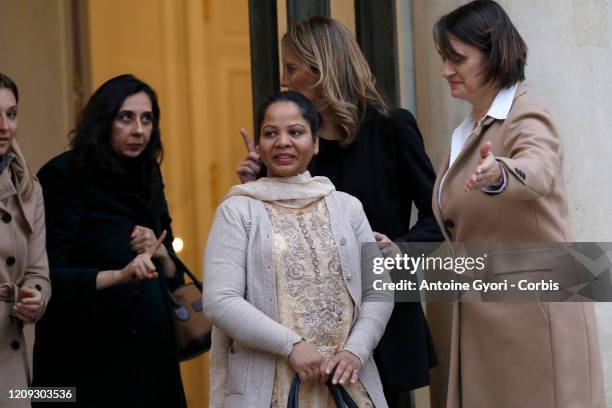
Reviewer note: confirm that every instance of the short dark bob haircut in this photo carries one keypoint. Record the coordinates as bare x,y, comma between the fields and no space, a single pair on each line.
306,108
485,25
91,139
8,83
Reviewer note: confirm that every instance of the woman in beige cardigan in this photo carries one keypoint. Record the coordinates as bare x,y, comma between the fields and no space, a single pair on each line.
283,283
503,182
24,269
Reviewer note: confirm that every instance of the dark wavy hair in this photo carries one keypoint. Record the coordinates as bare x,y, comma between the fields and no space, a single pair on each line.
91,139
485,25
306,108
8,83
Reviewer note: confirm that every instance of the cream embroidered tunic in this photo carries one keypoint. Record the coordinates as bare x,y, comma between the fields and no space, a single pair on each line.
312,297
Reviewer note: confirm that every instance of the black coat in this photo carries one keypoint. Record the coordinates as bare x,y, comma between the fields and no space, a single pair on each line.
116,345
387,169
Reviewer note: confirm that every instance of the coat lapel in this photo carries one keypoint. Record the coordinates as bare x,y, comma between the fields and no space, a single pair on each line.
469,144
7,189
434,200
6,186
446,173
28,210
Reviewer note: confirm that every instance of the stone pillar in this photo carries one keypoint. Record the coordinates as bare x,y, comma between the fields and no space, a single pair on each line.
37,53
569,62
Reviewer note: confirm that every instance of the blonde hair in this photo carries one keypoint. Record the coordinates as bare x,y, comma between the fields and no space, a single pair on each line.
346,83
21,171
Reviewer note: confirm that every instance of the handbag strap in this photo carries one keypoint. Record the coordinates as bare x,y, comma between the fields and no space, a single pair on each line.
187,272
341,397
193,278
293,401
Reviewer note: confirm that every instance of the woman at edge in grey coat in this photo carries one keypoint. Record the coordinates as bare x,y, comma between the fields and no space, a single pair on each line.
283,282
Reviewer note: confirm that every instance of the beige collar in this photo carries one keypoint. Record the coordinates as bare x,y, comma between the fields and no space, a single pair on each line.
293,192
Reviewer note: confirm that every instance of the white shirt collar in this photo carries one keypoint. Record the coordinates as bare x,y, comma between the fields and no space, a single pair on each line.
502,103
499,109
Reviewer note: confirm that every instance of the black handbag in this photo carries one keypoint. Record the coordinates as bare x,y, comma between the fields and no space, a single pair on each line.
339,394
191,326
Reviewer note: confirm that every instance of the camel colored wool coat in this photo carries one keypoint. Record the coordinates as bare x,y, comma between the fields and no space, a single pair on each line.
23,263
542,355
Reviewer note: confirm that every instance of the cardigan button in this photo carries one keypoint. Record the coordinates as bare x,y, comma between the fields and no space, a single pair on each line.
342,241
349,276
6,218
15,345
10,261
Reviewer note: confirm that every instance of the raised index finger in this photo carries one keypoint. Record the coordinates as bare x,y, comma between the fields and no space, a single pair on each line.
248,142
152,250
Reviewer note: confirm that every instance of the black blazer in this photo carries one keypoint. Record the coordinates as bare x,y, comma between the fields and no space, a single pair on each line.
115,345
387,169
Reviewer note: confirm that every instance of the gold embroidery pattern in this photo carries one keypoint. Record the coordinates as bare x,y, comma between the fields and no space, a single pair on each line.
303,243
312,296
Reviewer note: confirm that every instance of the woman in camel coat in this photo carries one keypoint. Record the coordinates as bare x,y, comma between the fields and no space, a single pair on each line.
503,182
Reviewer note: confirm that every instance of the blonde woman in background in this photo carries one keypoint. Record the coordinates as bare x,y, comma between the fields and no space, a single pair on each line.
24,269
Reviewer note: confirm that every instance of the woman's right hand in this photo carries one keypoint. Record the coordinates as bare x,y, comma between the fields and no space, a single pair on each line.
249,168
29,306
388,247
308,362
140,268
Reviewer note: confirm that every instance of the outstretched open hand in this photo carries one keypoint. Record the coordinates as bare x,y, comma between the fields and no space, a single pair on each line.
488,172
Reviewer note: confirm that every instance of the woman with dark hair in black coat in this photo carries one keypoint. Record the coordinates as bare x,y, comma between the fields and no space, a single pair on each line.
108,330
